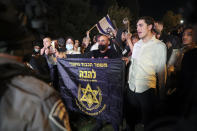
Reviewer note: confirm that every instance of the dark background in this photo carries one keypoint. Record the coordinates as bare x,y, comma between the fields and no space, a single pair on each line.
23,21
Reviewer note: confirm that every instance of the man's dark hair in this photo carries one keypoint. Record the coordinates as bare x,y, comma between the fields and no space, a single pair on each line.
159,22
148,20
188,27
97,36
47,37
70,37
61,41
135,35
37,43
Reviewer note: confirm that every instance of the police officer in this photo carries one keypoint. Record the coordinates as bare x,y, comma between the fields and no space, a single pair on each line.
26,103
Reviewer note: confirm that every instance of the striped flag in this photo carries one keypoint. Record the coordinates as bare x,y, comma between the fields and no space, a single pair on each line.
105,26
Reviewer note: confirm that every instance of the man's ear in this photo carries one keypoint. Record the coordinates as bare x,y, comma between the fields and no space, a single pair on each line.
108,42
150,27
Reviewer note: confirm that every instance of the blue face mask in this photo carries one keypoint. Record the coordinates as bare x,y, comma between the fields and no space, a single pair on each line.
69,46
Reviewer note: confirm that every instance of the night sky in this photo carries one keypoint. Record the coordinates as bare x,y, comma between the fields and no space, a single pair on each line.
157,8
153,8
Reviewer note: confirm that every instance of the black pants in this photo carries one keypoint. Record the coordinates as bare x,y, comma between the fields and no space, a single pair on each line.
140,107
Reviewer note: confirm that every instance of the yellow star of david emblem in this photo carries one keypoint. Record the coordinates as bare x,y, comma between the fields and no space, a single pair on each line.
89,96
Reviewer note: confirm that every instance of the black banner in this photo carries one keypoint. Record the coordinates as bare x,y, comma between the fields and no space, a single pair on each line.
93,86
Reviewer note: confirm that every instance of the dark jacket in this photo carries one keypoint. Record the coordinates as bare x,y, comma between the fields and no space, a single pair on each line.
40,66
117,43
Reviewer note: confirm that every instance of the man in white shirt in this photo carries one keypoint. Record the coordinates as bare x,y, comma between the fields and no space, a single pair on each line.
147,75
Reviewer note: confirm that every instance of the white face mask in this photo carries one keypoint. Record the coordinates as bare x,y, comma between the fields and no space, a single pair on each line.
36,50
69,46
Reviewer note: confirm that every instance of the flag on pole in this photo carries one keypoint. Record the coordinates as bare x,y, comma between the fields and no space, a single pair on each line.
105,25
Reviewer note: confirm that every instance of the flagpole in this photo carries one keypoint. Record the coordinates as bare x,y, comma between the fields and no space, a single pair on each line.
129,27
91,28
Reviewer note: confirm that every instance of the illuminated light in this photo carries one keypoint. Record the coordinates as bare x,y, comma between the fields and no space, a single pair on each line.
181,21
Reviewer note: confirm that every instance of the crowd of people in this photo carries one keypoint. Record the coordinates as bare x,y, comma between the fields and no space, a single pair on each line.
160,87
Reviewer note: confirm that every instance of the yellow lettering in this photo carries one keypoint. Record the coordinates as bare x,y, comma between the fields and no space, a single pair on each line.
100,64
87,74
81,74
86,64
93,72
74,64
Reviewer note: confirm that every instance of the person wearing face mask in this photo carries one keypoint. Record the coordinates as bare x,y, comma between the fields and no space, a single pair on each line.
36,46
70,47
104,49
38,62
37,49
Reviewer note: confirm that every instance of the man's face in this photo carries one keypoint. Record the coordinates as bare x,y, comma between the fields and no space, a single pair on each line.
123,36
187,37
69,44
86,41
134,40
76,43
168,44
143,29
103,40
37,47
103,43
158,27
94,39
70,41
47,42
